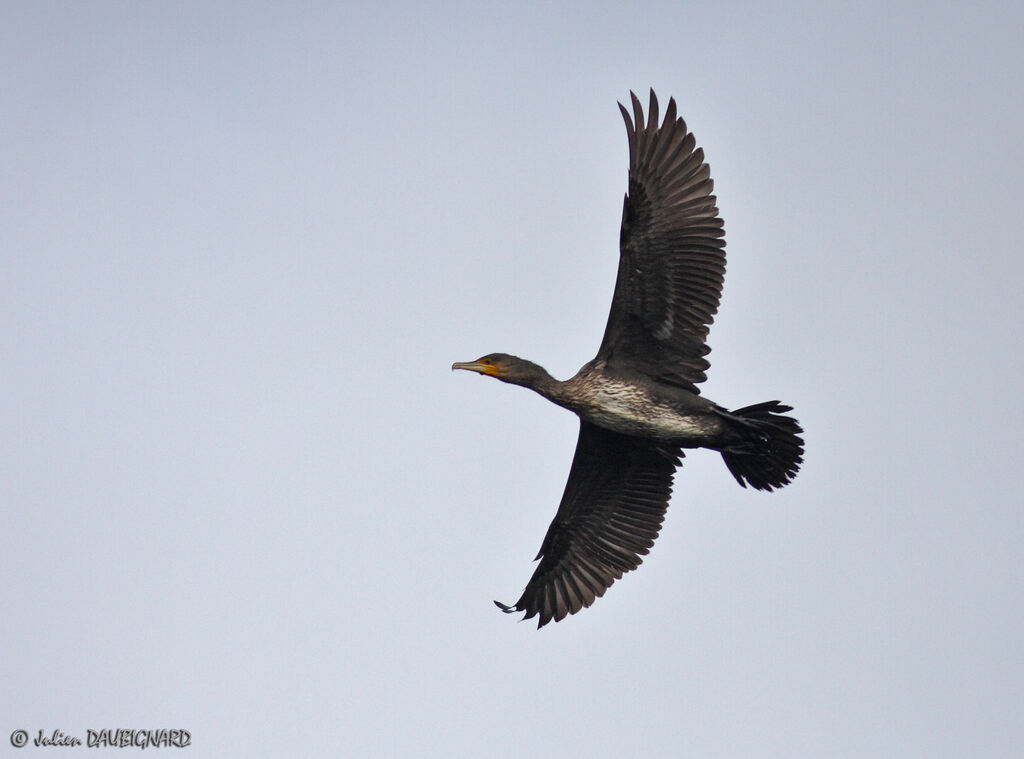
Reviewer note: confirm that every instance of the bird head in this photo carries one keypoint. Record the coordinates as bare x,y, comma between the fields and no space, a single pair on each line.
512,369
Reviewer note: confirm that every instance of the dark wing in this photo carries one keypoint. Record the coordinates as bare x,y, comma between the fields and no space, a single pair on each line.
610,514
672,257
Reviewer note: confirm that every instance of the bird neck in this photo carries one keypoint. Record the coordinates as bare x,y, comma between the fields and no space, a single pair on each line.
552,389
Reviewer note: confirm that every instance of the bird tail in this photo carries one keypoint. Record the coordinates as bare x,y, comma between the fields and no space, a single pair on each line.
770,449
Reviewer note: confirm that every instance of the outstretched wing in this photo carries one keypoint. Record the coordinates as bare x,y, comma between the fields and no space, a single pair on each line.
672,257
611,511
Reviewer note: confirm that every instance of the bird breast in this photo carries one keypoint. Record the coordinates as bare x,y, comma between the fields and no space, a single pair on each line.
631,410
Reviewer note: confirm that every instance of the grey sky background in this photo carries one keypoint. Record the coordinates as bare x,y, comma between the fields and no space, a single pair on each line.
243,495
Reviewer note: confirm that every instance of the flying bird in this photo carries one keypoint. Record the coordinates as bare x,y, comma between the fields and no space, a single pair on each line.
638,401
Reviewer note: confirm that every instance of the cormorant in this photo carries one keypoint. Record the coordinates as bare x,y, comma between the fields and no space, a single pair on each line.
638,400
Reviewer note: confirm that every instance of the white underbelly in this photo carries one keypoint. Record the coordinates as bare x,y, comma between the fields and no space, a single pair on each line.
636,414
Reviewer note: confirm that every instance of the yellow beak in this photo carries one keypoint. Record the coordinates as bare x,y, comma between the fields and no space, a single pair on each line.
476,366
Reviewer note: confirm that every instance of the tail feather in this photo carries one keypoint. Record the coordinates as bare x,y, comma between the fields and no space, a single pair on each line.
771,450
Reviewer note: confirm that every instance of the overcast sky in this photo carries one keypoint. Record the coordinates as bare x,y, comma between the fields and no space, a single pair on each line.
244,495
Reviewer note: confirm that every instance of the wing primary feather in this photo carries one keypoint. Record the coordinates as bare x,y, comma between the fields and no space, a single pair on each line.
611,512
672,259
